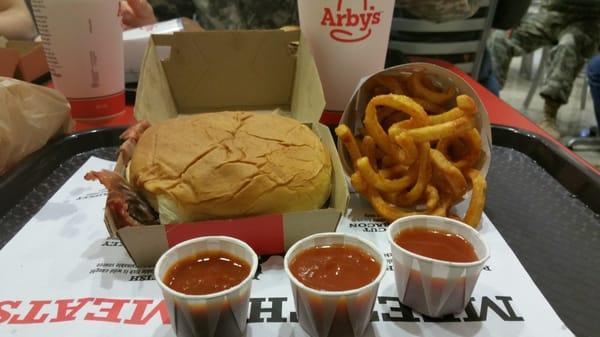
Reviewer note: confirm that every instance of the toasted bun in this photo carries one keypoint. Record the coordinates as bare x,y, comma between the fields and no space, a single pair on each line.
230,164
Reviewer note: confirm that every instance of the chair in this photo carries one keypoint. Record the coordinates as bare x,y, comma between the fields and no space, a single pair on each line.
583,143
537,78
539,74
461,42
587,142
526,70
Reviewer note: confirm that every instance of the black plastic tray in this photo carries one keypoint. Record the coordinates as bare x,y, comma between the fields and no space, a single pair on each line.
545,203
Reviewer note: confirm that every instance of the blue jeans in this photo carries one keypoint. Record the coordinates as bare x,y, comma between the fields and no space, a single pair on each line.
487,78
593,74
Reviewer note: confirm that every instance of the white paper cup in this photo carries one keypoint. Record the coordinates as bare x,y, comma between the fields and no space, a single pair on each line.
334,313
348,39
430,286
83,43
218,314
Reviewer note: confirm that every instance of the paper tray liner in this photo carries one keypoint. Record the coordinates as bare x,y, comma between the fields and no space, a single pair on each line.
552,232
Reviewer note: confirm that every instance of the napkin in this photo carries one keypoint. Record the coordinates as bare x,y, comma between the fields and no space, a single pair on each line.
30,115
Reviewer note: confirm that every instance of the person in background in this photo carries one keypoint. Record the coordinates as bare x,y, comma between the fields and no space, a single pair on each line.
212,14
508,15
593,74
572,27
16,22
136,13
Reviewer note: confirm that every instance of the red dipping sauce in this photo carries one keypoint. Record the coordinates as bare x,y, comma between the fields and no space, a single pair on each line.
335,267
206,273
436,244
202,274
447,295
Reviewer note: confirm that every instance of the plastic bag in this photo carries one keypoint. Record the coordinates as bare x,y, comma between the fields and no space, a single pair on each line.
29,116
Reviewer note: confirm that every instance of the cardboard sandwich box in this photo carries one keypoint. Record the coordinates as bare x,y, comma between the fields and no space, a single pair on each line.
259,70
23,60
135,42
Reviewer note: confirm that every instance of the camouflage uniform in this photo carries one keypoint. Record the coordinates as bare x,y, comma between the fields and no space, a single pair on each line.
230,14
573,29
440,11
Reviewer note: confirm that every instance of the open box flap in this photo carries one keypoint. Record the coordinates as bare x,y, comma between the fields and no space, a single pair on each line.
154,101
230,70
252,70
339,194
308,99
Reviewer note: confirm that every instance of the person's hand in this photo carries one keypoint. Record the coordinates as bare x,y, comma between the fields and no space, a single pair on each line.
136,13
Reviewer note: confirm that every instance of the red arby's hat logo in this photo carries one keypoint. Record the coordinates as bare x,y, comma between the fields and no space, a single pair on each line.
347,24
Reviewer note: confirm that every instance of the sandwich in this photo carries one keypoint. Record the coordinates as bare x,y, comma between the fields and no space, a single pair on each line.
217,165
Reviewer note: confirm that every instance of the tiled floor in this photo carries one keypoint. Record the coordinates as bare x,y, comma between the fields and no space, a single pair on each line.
571,118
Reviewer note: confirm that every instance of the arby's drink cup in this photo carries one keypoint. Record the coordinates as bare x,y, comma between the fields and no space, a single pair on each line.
83,44
348,39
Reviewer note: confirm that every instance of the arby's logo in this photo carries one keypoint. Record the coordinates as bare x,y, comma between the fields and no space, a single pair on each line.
350,25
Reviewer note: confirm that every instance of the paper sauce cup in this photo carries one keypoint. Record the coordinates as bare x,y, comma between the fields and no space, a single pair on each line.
430,286
334,313
220,314
348,39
